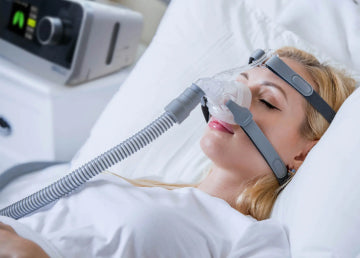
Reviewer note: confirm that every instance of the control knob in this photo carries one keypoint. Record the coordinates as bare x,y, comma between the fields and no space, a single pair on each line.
49,30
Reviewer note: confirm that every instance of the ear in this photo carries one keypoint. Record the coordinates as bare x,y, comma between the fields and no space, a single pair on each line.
300,157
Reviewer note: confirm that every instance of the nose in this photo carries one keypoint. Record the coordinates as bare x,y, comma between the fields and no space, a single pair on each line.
242,79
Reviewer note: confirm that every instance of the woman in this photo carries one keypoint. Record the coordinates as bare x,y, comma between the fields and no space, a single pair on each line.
156,222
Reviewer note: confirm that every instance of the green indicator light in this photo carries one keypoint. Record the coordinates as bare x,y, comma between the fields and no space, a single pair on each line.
18,19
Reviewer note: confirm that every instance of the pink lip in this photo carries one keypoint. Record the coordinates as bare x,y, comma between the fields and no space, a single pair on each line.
220,126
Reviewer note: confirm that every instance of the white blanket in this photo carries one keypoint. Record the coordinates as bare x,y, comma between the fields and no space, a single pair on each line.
112,218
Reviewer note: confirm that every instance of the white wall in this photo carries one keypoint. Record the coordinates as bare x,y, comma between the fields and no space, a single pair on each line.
152,11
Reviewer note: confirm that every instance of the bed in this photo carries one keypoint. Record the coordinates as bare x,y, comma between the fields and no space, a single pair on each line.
319,208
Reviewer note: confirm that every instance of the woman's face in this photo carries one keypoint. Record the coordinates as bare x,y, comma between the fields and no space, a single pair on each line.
279,111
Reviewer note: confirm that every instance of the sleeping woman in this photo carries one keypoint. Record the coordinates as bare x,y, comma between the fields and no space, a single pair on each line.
225,215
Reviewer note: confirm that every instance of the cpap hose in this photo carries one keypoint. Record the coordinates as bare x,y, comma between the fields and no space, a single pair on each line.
175,112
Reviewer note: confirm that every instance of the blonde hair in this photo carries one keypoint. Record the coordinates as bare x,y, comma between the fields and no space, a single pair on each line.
152,183
333,85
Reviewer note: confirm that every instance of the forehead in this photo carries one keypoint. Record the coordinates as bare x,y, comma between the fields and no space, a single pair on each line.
299,69
264,74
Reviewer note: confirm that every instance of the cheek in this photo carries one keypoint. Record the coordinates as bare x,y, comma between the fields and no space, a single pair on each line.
234,153
285,142
282,130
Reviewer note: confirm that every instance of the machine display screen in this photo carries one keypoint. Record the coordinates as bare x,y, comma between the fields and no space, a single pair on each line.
23,19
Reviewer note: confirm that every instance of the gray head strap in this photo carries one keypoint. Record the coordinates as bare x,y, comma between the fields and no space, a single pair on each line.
243,117
277,66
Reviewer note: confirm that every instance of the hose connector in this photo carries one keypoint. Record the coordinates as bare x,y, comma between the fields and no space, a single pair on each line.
180,108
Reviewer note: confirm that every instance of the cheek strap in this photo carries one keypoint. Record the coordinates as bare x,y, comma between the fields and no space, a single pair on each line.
243,118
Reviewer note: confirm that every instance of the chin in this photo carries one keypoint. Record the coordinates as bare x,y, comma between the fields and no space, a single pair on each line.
217,153
223,154
213,147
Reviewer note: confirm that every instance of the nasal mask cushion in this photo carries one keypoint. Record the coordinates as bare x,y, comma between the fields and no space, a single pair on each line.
225,86
219,90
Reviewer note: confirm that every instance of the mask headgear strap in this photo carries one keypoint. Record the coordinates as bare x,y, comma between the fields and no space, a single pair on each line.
243,117
281,69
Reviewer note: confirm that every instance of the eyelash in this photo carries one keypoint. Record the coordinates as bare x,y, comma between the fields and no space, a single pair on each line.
267,104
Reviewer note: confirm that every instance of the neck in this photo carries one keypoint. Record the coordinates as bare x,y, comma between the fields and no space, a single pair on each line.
223,184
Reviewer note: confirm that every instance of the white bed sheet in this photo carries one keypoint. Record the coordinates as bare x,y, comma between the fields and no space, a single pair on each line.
112,218
30,183
268,27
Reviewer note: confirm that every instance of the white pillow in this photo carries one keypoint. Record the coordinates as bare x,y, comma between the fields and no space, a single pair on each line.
331,25
195,39
320,207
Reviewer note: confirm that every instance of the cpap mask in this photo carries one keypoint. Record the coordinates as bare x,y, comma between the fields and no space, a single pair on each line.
220,89
225,86
222,96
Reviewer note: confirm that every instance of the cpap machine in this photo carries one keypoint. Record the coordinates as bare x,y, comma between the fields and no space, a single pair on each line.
69,42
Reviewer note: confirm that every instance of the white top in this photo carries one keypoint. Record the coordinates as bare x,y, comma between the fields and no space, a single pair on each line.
112,218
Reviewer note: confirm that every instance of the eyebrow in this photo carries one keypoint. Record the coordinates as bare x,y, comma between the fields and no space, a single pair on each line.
271,84
267,83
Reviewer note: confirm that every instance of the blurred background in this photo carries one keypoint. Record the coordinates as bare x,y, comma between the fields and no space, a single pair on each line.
152,11
38,115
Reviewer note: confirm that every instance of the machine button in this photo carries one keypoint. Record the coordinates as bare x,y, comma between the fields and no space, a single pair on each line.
49,30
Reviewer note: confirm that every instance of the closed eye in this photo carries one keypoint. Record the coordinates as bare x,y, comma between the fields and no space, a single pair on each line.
268,105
